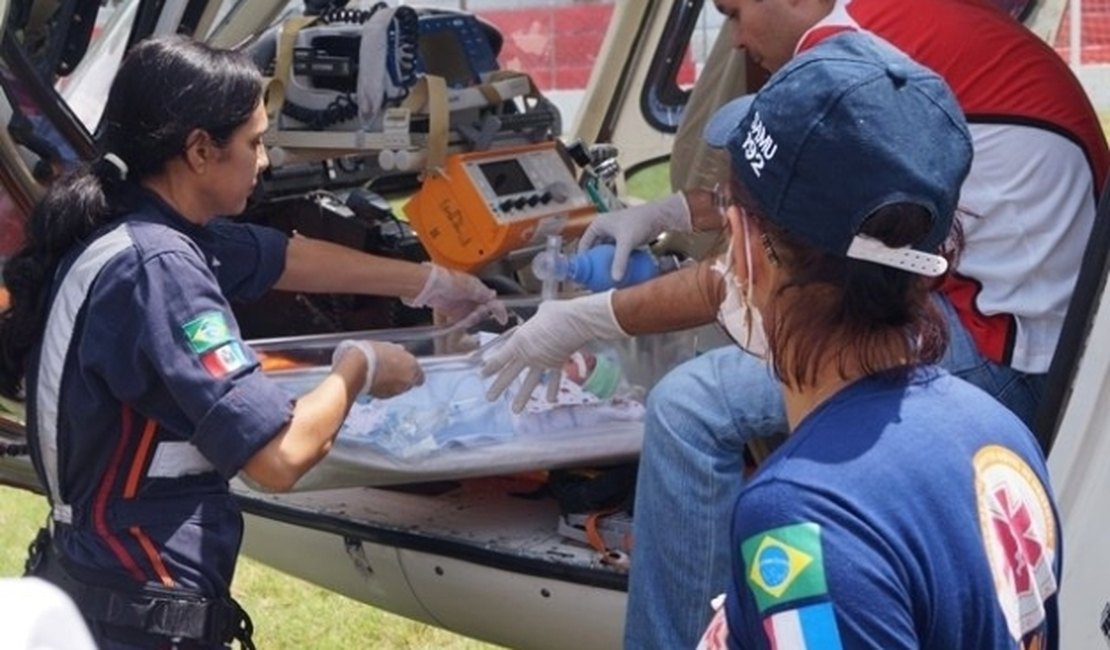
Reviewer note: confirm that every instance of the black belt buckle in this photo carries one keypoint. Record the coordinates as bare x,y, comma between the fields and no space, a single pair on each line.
235,622
36,553
221,621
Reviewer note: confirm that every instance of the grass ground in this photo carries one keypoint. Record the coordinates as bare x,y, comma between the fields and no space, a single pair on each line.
288,613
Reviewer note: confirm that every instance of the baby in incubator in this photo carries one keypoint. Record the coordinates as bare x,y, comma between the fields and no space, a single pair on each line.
451,410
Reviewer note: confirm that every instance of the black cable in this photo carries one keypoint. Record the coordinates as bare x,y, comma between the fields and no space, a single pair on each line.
317,7
341,109
352,16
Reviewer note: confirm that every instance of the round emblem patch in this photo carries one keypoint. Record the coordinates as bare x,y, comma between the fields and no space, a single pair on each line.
1019,535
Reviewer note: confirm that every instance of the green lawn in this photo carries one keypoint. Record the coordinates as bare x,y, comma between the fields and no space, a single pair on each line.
288,613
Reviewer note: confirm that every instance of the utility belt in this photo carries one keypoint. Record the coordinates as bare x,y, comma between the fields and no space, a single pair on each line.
172,613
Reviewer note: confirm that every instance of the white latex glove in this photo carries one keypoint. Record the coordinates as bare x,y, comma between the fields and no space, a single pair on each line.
636,226
558,330
390,368
459,297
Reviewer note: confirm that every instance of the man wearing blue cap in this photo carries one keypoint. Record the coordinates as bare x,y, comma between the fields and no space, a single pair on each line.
845,538
1026,211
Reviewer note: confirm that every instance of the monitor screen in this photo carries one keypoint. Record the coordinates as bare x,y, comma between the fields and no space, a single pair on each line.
506,177
443,55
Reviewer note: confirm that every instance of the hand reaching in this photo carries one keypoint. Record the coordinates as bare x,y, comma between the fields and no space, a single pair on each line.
559,328
636,226
459,297
390,368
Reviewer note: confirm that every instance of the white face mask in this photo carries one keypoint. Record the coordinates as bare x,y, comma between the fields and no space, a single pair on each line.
739,316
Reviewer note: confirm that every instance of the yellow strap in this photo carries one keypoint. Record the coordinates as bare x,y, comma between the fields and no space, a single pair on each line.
429,95
438,122
283,66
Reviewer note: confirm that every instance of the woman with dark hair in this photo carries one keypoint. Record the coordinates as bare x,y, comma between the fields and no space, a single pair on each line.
142,399
907,508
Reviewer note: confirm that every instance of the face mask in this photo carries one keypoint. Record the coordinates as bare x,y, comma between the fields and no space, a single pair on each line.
739,316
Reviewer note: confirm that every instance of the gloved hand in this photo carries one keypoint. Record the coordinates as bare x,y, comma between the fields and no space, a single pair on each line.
559,328
390,368
633,227
459,297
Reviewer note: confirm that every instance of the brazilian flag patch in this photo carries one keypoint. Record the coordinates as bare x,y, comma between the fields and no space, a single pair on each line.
207,331
785,564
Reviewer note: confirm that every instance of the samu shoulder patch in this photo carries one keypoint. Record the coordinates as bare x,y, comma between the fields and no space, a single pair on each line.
785,565
1019,537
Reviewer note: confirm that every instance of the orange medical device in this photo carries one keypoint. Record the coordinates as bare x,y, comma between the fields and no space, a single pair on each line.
481,205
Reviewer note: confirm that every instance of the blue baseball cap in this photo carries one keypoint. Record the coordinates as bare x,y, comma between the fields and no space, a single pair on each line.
845,128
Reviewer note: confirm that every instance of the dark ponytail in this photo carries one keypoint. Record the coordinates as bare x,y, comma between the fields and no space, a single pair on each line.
76,205
165,89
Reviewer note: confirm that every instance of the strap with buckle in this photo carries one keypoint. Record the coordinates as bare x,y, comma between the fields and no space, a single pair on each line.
166,612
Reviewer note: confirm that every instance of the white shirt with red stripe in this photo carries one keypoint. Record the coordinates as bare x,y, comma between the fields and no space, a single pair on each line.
1028,204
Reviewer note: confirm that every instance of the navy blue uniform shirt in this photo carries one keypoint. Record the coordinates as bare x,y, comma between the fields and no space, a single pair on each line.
909,513
143,400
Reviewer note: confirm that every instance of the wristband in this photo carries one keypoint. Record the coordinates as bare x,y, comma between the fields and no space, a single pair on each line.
368,353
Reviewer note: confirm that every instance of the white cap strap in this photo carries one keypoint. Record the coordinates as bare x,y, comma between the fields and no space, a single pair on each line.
908,259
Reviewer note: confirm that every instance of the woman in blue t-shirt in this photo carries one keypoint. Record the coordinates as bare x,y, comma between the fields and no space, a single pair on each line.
907,509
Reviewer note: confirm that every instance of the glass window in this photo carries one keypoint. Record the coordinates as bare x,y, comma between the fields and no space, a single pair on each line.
694,25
